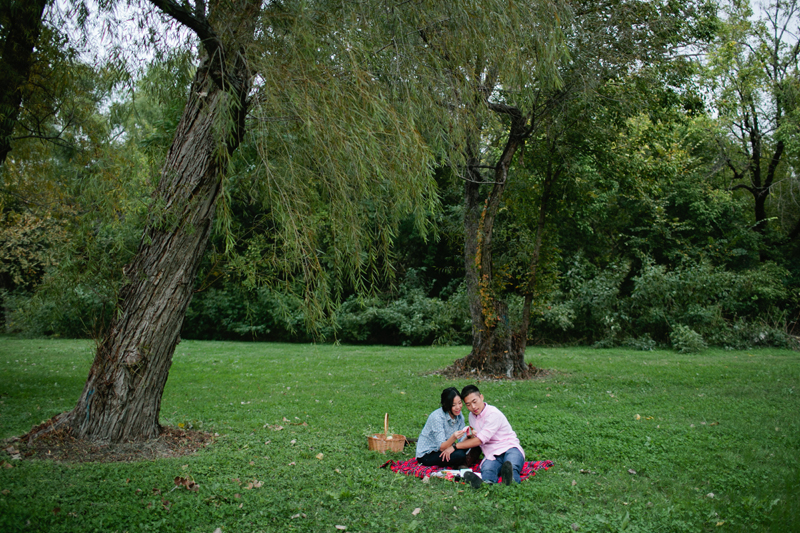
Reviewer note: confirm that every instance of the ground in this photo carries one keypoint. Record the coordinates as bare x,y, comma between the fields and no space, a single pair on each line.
60,446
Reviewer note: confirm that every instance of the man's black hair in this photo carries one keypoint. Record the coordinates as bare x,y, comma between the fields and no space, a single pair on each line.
466,391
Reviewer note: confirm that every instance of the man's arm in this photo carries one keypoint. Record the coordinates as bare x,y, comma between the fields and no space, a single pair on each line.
471,442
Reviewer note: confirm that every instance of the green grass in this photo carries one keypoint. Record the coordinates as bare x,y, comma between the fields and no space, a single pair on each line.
726,423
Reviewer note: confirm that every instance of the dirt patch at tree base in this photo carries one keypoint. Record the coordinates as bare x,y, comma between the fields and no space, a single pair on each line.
455,372
60,446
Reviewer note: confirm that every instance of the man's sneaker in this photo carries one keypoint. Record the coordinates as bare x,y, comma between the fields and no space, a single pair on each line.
507,473
473,480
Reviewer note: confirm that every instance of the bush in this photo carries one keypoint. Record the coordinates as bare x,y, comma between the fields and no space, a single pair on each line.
686,340
235,313
79,312
411,319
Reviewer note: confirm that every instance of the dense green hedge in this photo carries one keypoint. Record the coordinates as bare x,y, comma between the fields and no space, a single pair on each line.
688,308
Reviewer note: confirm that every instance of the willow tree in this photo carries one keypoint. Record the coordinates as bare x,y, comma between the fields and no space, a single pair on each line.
497,80
281,70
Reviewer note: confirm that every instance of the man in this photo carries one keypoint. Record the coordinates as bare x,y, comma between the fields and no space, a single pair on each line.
491,431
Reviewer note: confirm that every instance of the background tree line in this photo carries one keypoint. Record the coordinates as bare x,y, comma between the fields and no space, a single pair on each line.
648,191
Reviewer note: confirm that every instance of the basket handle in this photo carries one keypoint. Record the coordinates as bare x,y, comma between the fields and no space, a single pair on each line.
385,425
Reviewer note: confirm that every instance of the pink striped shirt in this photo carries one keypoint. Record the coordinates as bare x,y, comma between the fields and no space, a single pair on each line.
494,432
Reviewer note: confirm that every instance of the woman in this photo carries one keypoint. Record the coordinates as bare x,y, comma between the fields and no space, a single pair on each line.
436,445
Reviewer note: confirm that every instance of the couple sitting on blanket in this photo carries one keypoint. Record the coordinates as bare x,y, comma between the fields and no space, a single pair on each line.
445,441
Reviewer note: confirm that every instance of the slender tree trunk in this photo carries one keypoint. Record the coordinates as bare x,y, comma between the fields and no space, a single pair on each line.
495,346
122,396
20,26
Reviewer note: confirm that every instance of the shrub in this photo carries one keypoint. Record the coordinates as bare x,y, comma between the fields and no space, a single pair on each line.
686,340
411,319
78,312
235,313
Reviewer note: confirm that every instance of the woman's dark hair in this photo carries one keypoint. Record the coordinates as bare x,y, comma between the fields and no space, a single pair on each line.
448,397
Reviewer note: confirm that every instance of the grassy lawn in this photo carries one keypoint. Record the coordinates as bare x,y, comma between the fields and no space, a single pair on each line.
713,439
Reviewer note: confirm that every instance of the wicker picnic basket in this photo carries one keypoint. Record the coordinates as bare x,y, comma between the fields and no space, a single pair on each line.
381,443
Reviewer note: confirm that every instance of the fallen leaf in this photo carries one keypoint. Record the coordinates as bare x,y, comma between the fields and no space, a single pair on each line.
295,516
183,482
237,495
56,510
416,511
257,484
638,417
156,491
341,527
575,527
426,479
252,463
241,505
574,482
632,472
285,419
267,442
292,463
5,492
293,441
720,523
15,455
710,495
320,456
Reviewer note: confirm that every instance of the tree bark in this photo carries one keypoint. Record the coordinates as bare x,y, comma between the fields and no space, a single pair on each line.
20,26
496,347
121,400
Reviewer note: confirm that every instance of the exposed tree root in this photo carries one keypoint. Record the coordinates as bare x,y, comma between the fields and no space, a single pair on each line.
59,445
458,371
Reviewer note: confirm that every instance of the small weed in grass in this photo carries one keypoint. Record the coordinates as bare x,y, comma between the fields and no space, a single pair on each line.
642,441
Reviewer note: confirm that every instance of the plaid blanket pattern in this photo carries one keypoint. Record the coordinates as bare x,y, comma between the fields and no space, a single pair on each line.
412,468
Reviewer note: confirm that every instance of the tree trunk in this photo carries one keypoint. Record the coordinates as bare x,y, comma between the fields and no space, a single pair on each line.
20,25
122,396
496,348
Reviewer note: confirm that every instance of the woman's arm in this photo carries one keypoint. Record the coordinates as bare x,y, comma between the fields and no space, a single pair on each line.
452,439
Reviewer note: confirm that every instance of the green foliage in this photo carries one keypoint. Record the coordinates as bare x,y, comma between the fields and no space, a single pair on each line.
686,340
79,311
233,312
687,306
719,423
410,318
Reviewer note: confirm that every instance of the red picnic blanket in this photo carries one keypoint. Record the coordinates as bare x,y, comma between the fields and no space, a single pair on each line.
412,468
